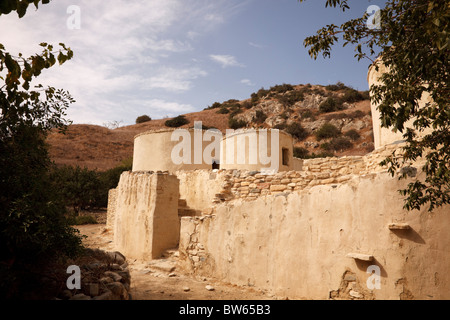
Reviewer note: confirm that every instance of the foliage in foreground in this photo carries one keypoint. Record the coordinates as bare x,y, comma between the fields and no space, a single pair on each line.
411,39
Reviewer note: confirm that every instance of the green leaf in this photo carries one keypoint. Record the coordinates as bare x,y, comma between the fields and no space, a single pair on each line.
22,8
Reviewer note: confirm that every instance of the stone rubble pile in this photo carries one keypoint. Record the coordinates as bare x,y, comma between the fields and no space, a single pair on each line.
106,278
250,185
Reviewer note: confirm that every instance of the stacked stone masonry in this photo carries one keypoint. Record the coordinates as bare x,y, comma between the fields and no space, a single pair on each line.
111,210
241,184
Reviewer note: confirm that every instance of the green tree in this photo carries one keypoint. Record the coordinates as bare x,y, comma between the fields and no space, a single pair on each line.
234,123
297,131
411,38
327,131
176,122
32,223
109,179
143,118
79,187
329,105
259,117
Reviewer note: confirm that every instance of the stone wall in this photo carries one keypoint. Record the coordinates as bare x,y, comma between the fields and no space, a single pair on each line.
250,185
199,187
111,210
107,277
318,243
155,150
146,216
384,136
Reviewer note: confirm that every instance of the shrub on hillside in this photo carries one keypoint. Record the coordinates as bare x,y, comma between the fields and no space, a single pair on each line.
259,117
352,134
330,105
176,122
236,109
231,101
301,153
142,119
327,131
247,105
342,115
256,96
356,114
233,123
352,95
284,115
336,87
290,98
281,88
296,130
307,114
307,89
324,154
337,144
215,105
280,126
223,110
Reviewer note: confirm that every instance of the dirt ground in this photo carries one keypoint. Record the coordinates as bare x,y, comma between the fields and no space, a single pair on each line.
159,279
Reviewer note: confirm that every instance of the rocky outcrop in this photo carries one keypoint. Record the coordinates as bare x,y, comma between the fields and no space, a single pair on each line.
104,277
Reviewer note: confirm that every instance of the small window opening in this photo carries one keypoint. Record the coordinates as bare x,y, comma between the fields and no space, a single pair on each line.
285,156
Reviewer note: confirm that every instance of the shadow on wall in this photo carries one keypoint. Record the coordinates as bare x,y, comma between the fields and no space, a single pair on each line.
364,265
409,234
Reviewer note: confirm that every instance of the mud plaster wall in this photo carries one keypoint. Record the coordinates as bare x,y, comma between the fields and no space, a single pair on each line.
297,244
203,188
385,136
111,210
146,216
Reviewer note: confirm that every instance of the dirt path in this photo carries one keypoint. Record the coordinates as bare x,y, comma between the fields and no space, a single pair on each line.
160,280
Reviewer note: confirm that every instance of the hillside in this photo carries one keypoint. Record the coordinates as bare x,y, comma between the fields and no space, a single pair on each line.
300,110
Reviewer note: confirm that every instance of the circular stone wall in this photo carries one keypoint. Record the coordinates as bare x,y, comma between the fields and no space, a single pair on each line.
251,149
172,150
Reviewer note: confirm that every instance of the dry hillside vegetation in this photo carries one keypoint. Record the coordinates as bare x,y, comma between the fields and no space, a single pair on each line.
301,110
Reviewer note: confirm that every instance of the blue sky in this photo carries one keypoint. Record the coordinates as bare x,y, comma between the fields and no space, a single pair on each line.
169,57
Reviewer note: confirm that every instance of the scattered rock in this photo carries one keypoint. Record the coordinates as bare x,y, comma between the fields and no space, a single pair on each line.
355,294
350,277
80,296
172,275
186,289
125,274
66,294
116,288
162,265
117,257
93,289
105,280
107,295
209,288
113,275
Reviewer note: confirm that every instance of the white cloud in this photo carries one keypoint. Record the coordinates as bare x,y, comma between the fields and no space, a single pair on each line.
214,18
247,82
125,50
159,108
256,45
225,60
173,79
